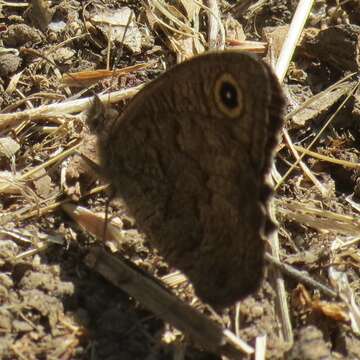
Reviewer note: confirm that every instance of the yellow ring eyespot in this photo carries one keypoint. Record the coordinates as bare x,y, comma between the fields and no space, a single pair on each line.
229,96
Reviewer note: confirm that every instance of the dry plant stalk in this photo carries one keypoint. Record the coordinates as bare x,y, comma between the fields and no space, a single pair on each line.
166,306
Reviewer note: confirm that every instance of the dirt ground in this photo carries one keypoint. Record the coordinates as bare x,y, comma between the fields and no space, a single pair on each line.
53,306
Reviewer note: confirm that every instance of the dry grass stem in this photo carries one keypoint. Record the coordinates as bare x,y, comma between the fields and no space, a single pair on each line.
328,159
300,276
260,347
14,4
166,306
296,27
66,107
320,219
87,78
303,166
174,279
256,47
50,208
167,11
213,24
328,122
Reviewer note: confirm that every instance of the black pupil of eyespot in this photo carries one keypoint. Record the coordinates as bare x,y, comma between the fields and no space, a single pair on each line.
228,94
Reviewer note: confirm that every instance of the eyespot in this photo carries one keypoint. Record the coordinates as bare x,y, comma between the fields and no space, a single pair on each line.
228,96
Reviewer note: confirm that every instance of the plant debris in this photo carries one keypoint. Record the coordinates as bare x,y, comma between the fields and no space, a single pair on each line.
54,57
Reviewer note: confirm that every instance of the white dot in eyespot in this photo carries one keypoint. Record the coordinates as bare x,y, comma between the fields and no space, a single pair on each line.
228,96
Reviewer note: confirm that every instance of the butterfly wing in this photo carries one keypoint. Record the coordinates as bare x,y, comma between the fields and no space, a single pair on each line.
189,156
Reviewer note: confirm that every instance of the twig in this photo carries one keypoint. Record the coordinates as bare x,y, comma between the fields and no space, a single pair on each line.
354,204
214,14
54,206
255,47
165,305
66,107
296,27
280,287
213,23
303,166
13,4
315,155
300,276
260,347
321,219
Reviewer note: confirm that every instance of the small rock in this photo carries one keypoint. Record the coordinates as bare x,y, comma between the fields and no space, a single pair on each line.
3,294
8,249
21,326
57,26
21,35
43,184
257,311
6,281
9,63
63,55
310,345
5,321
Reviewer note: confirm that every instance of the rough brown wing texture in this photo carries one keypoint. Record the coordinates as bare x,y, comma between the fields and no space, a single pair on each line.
189,156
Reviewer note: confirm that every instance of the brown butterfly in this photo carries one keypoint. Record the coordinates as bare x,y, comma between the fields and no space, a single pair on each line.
190,156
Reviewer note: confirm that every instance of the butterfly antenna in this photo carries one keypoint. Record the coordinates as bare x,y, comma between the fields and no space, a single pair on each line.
109,199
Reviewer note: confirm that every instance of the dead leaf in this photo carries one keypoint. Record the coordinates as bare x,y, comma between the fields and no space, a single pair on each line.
334,311
119,26
43,184
94,223
87,78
